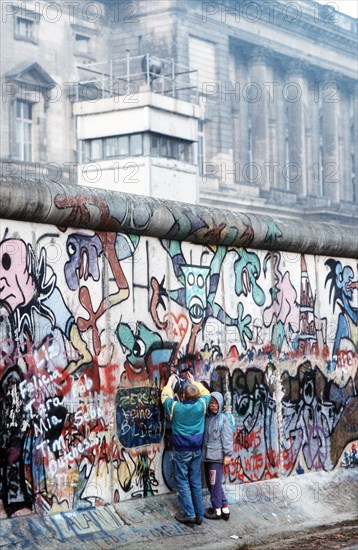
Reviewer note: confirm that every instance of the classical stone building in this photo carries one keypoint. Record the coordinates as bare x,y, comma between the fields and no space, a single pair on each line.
240,104
41,45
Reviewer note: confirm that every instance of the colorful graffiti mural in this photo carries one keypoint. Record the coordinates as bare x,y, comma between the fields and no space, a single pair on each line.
92,324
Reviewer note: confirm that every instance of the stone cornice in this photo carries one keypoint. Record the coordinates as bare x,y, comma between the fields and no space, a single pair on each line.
306,22
319,32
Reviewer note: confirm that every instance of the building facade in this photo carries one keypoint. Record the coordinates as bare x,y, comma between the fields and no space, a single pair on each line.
239,104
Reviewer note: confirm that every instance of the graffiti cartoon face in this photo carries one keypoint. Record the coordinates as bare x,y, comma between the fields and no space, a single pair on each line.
195,291
308,392
342,282
142,345
344,277
83,251
137,343
247,271
17,286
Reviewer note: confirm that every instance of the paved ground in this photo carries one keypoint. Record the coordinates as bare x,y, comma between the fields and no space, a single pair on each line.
309,511
342,536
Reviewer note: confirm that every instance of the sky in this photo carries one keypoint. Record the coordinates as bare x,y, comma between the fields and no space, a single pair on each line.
350,7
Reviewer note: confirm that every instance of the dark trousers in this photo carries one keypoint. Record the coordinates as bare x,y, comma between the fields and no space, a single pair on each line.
214,475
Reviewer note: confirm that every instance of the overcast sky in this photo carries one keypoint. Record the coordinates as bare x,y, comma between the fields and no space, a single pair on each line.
350,7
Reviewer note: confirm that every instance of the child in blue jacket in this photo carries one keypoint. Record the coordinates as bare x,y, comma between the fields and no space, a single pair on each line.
217,452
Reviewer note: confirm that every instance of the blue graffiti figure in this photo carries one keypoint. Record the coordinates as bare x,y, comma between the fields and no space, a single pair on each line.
247,270
199,287
195,291
342,286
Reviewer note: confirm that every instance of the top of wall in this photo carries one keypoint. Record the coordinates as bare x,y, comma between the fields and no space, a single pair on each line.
50,202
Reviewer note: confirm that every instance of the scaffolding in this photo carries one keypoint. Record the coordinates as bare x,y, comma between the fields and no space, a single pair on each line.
130,75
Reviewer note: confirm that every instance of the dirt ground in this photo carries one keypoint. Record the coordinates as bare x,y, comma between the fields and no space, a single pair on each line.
343,536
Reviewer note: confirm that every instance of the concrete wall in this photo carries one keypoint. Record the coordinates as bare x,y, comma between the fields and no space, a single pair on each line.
91,321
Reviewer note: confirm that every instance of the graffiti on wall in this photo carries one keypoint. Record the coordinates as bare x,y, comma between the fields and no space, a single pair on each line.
342,285
92,324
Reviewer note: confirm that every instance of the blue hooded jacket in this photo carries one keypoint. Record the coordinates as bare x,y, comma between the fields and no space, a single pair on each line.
217,442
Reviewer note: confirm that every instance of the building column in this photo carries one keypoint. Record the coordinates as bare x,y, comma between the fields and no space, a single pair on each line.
240,113
258,99
354,143
313,137
296,96
330,95
280,156
344,142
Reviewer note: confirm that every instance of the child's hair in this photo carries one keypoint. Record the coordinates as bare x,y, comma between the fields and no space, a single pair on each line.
191,393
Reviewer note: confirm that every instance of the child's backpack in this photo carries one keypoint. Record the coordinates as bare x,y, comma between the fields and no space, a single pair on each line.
231,418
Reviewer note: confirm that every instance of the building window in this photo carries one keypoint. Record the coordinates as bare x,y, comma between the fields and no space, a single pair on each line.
163,146
172,148
86,151
123,146
250,150
202,62
26,29
353,138
23,130
201,154
321,189
132,146
136,145
285,172
82,44
353,178
112,147
96,149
